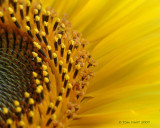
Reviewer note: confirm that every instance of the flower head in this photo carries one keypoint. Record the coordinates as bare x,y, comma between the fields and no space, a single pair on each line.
44,66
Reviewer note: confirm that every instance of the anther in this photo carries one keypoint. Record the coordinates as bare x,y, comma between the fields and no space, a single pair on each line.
49,51
11,11
69,89
59,99
1,16
16,103
41,88
71,45
9,122
27,7
62,49
64,73
66,80
35,13
34,74
45,73
46,80
37,81
53,117
62,91
28,21
44,15
37,34
59,38
54,110
60,66
56,44
28,31
56,24
47,15
70,64
76,71
55,59
44,38
26,95
31,114
44,67
21,124
15,21
50,107
21,11
39,8
39,60
68,56
37,19
46,27
31,103
5,111
15,5
18,112
38,91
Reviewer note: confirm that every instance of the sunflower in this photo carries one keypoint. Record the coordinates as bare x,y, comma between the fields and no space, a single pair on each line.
53,76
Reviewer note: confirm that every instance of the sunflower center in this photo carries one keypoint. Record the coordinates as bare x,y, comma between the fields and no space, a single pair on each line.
15,79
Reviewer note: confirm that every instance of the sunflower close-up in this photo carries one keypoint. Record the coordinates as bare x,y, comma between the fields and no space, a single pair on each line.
80,64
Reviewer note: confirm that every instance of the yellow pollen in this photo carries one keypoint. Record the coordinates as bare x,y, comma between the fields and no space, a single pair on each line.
56,39
9,121
71,60
38,90
45,23
21,7
64,70
67,77
31,113
54,55
26,94
1,14
62,90
37,81
43,33
31,101
53,117
51,105
70,85
34,54
39,59
18,109
16,103
78,67
36,31
44,67
45,73
40,87
28,3
35,11
61,62
49,47
59,98
46,80
5,110
14,19
21,123
10,10
27,28
37,18
34,74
